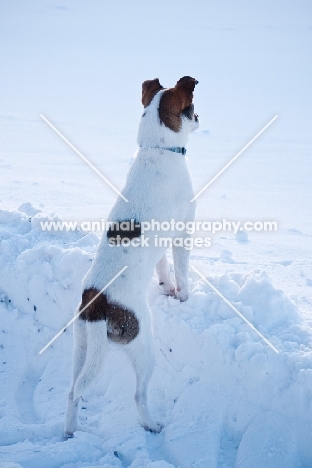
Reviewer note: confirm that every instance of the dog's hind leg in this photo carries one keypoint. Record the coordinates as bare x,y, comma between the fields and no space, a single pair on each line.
80,352
141,355
164,277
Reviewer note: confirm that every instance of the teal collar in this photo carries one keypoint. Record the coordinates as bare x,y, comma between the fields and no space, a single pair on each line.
174,149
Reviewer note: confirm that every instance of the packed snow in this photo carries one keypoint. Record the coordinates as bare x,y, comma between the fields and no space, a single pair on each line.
225,398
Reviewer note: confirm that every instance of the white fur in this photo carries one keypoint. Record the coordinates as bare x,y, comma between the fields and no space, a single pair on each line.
97,346
158,187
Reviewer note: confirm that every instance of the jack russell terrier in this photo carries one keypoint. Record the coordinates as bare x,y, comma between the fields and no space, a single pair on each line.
158,187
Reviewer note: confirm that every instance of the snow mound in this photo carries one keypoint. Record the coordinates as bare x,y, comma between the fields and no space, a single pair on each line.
225,398
242,237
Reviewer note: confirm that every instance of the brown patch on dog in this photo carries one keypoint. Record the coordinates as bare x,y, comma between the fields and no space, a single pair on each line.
129,229
149,89
176,100
122,324
189,112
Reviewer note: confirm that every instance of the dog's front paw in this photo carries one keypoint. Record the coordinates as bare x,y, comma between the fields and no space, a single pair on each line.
154,427
168,288
182,295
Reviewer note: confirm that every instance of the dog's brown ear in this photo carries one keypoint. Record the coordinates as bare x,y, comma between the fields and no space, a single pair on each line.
174,101
185,87
149,89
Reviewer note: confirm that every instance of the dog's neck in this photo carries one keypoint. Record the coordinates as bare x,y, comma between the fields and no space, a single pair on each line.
153,134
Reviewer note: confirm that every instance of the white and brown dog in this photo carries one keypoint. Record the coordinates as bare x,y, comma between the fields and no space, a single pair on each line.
158,187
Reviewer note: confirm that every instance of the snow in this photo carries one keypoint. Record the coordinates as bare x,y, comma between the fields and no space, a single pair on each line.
222,394
225,398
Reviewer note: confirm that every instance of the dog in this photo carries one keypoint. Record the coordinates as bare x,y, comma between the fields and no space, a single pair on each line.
158,187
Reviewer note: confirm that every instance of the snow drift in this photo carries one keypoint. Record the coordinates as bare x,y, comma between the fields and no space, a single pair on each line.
225,398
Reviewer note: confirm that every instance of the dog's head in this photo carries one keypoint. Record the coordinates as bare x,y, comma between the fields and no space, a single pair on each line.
172,109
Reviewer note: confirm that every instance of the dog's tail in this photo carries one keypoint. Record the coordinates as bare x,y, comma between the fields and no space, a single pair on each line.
97,344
